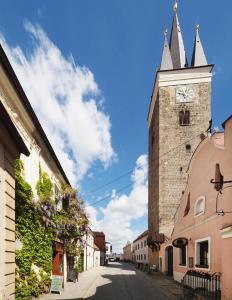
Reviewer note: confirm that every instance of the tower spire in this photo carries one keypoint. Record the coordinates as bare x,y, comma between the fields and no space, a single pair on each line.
166,62
179,58
198,58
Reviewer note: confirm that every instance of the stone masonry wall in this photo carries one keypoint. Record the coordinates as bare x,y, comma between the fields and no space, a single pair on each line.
168,157
153,182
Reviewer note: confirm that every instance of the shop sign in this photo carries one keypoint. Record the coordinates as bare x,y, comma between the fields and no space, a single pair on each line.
180,242
56,284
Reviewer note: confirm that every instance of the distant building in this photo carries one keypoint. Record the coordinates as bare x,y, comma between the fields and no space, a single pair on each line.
140,249
127,252
202,235
89,250
99,241
109,249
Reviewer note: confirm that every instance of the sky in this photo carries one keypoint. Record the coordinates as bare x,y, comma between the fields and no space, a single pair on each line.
88,69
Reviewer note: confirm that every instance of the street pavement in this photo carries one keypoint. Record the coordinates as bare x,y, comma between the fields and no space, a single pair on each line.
119,281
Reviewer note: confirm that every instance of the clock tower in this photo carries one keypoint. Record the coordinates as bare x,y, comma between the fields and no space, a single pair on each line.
178,119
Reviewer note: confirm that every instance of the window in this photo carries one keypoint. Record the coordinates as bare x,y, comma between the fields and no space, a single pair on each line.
203,253
141,244
218,178
200,206
183,256
188,148
187,208
145,243
144,256
184,117
65,202
138,246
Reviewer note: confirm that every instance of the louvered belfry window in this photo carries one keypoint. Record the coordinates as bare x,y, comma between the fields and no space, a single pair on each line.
184,117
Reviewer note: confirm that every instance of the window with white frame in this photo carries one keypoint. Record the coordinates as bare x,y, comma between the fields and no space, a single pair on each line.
183,256
199,206
202,248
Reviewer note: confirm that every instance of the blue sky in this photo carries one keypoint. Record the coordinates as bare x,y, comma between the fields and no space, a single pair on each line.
120,43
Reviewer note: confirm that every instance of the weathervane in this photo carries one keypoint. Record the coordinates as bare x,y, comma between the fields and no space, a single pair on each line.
175,6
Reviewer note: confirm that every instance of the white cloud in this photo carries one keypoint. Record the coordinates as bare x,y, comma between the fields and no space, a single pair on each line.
68,102
122,210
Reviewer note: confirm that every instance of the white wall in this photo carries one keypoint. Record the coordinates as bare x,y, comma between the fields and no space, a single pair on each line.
89,251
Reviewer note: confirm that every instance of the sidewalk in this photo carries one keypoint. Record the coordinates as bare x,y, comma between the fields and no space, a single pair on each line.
86,280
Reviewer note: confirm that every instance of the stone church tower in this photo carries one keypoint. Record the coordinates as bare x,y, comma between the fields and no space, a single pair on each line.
179,116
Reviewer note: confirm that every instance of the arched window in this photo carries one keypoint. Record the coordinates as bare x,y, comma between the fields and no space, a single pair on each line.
200,206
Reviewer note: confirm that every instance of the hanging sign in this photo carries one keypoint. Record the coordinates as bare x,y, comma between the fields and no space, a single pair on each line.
56,284
180,242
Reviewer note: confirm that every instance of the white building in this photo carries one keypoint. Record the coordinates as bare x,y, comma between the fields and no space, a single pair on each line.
21,113
91,251
140,249
109,249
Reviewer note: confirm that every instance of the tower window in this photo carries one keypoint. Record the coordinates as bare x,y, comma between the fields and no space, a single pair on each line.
188,148
184,117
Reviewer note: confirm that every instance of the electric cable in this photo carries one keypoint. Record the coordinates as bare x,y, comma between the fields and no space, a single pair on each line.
129,172
132,170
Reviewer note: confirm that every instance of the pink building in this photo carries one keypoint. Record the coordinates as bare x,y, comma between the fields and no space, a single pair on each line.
201,242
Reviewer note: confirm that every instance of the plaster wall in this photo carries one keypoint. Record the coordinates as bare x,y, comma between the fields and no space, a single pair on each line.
210,224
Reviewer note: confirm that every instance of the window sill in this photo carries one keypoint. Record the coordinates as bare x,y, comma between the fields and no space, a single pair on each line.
182,266
202,266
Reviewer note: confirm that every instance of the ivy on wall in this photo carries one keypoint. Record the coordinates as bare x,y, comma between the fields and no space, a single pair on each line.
36,243
38,223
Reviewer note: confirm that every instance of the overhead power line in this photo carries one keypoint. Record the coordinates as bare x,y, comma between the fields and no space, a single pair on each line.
132,170
124,174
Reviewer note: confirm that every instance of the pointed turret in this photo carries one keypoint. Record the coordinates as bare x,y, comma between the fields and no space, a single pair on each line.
179,58
166,62
198,58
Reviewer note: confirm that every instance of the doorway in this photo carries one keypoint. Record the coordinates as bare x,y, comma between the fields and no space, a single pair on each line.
169,261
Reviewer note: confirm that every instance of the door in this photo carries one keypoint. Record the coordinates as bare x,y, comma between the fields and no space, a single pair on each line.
169,260
58,263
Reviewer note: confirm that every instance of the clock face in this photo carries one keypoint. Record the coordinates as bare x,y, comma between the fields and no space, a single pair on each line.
184,94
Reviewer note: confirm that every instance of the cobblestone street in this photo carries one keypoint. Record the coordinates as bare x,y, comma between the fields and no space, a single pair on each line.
119,281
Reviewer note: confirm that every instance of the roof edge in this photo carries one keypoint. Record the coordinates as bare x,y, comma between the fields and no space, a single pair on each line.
17,85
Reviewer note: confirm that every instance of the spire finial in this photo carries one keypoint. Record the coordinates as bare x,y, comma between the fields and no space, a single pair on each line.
175,6
197,28
166,32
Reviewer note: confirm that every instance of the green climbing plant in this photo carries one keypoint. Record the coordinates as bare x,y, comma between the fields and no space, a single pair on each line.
38,223
33,260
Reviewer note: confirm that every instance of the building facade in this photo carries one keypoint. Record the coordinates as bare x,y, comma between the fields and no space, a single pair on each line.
140,249
11,146
41,155
109,250
202,235
179,115
128,252
92,253
99,241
